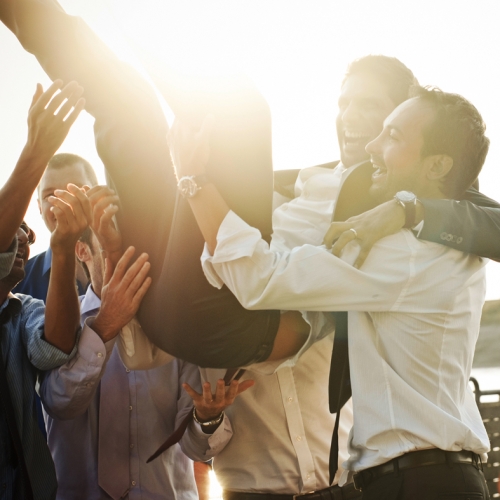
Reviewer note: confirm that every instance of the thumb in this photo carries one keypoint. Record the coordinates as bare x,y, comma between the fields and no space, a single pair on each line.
37,94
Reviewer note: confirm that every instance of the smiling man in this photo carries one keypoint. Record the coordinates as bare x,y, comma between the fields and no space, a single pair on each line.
414,306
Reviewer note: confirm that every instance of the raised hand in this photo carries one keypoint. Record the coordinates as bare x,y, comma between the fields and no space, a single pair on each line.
122,293
104,204
72,212
190,149
209,406
51,115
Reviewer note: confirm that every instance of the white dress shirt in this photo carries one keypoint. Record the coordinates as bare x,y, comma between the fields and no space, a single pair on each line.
158,403
282,426
414,318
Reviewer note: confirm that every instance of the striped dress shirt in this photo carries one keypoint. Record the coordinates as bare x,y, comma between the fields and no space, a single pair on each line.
25,352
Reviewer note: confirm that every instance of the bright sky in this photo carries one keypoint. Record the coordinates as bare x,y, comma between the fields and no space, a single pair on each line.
295,51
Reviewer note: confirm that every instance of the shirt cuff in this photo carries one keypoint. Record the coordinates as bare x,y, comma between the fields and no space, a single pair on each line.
217,440
235,239
91,347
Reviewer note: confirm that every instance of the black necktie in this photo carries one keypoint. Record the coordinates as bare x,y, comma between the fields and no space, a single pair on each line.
8,409
339,386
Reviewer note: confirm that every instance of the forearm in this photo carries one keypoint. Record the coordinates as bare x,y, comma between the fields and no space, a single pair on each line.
62,313
463,225
16,194
67,391
209,209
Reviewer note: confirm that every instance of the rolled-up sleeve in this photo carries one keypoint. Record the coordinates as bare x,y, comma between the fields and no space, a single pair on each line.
400,274
41,353
67,391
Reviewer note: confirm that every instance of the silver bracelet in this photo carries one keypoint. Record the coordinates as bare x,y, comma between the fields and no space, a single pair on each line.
215,421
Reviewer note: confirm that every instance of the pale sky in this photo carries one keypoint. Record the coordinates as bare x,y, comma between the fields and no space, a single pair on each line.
295,51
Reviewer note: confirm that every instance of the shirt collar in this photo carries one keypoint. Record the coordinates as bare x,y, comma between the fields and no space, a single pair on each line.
89,302
13,302
47,261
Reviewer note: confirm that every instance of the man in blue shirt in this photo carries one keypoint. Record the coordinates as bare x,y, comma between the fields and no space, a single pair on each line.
34,337
62,169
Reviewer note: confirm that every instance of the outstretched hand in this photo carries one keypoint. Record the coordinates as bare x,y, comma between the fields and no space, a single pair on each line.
122,293
209,406
190,149
366,229
104,205
51,115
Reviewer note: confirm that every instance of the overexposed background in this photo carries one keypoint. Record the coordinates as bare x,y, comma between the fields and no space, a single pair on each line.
296,52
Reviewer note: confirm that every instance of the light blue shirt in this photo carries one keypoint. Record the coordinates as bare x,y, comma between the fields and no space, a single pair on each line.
71,396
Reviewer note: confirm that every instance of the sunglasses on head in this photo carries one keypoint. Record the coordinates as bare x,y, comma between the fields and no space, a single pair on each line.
29,233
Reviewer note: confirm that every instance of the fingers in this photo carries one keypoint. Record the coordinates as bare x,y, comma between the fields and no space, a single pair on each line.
344,239
37,94
195,396
363,254
83,199
207,393
122,264
245,385
73,115
76,204
46,96
68,92
136,273
334,231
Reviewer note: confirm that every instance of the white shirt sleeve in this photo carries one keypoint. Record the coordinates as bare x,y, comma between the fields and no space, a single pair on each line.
401,273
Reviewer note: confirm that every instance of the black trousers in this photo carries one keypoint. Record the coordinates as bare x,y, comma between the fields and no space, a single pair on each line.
432,482
181,312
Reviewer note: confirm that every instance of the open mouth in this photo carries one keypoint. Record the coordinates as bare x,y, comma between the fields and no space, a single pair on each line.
19,259
380,170
353,139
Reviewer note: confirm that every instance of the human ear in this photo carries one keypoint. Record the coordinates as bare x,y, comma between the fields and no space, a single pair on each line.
438,166
39,205
82,251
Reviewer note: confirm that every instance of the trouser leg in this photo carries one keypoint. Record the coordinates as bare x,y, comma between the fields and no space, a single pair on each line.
181,313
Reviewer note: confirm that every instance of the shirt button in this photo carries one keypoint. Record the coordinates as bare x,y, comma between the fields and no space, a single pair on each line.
308,476
290,399
299,438
130,408
133,483
127,370
99,354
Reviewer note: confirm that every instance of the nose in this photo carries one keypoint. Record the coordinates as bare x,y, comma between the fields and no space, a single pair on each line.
373,147
22,237
350,113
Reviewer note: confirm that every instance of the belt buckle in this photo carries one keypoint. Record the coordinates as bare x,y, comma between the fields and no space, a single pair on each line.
358,481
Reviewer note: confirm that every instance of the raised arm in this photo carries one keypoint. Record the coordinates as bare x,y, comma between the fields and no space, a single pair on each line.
46,133
471,225
62,312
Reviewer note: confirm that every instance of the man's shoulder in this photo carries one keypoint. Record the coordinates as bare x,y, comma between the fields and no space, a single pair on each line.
284,180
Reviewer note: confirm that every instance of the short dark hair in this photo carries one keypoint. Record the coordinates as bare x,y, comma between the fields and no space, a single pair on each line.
390,71
457,130
63,160
86,237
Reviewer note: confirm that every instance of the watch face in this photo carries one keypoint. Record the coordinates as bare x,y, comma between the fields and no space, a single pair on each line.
405,196
187,186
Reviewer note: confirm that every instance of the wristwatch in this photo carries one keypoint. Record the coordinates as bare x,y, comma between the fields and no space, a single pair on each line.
189,185
409,202
215,421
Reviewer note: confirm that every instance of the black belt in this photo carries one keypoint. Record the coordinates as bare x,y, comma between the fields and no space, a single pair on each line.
347,492
414,459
